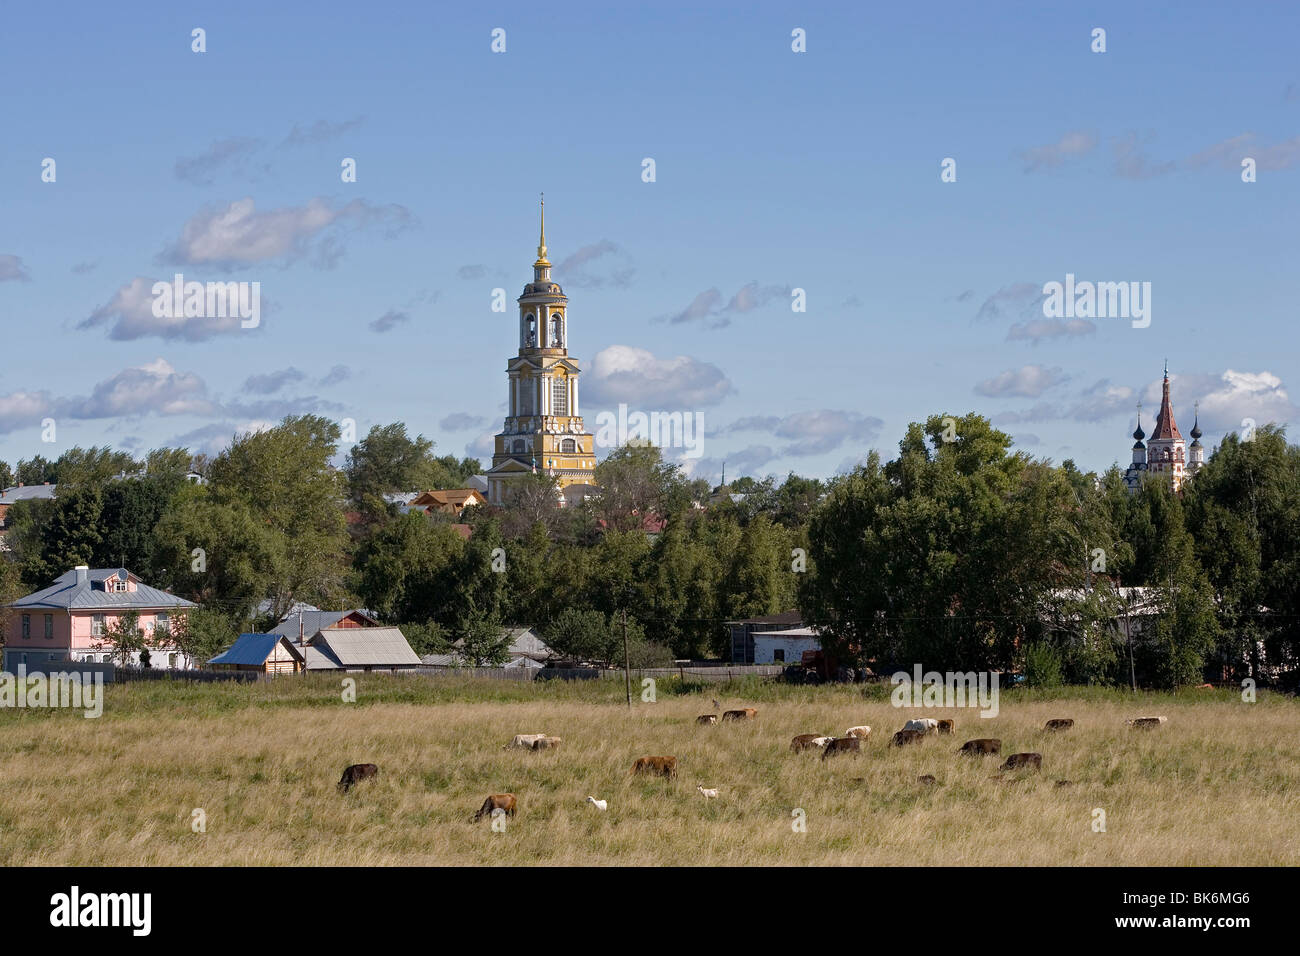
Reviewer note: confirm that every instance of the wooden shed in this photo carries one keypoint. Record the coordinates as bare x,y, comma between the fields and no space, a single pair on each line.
267,653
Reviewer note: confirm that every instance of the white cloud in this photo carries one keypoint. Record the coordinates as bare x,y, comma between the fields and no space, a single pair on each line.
238,236
623,373
153,387
1072,144
1028,381
1041,330
130,314
13,270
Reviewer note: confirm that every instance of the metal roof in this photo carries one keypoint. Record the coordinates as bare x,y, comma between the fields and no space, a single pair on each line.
366,646
313,620
26,493
254,649
68,593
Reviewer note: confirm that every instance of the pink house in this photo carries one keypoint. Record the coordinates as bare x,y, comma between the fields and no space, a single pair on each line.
70,619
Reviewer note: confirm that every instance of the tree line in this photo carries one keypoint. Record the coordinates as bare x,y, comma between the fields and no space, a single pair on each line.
959,552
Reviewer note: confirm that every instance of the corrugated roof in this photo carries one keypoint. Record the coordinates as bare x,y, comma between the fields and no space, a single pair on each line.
70,594
366,646
253,649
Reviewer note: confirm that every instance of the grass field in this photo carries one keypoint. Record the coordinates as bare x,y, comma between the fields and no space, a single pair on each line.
1218,784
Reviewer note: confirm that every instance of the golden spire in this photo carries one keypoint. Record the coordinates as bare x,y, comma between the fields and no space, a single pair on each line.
541,245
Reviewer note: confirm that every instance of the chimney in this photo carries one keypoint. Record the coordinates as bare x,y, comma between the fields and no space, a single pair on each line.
83,572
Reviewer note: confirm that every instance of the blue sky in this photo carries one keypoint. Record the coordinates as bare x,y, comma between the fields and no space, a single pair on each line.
775,171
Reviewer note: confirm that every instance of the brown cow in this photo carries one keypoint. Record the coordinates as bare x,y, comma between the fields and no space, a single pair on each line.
1015,761
495,801
1059,723
1065,783
548,743
660,766
905,737
745,713
947,726
707,719
842,745
927,779
984,746
355,774
805,742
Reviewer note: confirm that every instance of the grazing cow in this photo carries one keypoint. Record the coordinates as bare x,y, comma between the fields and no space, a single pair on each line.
984,746
1059,723
806,742
744,713
1065,783
864,732
548,743
355,774
842,745
659,766
927,779
1147,722
947,726
905,737
524,741
926,725
1016,761
707,719
496,801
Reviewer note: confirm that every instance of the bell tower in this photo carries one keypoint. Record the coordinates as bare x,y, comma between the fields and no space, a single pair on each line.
543,428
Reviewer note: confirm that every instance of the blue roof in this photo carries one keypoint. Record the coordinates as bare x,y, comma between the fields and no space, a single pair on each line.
251,649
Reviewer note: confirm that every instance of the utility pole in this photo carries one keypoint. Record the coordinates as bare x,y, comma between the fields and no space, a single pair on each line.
627,665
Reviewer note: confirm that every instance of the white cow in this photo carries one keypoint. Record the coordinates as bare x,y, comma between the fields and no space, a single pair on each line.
525,741
926,725
862,731
821,741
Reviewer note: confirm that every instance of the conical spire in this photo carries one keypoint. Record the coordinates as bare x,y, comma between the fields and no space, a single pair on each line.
541,243
1166,428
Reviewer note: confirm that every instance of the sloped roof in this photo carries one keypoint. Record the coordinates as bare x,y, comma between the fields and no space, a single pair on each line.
26,493
365,646
254,649
525,642
314,620
788,633
70,594
448,496
788,618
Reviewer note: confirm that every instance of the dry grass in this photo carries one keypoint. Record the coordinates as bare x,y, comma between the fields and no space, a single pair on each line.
1219,784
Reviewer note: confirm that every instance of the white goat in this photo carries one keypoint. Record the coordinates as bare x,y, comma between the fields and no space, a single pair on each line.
598,804
708,794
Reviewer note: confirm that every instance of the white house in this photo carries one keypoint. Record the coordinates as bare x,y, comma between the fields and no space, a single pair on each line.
787,646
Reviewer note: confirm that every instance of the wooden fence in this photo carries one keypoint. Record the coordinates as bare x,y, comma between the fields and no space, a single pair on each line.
702,672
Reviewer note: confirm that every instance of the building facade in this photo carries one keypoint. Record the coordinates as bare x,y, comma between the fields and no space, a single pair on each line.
1166,453
73,618
543,431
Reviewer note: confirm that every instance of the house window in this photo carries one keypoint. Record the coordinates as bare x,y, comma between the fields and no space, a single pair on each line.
162,624
117,586
97,625
27,627
778,655
49,626
568,446
560,397
171,661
